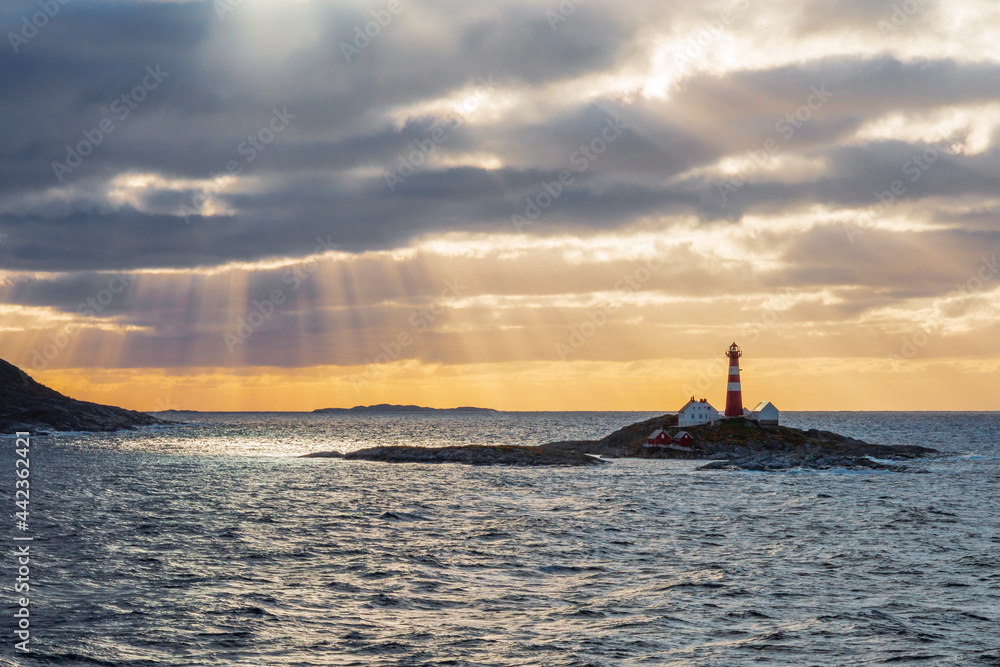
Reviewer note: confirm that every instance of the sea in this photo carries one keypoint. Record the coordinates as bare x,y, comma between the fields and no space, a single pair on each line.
212,543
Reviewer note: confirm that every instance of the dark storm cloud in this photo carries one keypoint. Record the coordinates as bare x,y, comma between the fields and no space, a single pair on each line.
319,177
858,175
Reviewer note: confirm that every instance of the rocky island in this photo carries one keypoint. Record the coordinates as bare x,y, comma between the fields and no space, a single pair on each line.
741,444
729,444
510,455
477,455
26,405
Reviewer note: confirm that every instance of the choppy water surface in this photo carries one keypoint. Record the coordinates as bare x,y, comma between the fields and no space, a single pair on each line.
211,544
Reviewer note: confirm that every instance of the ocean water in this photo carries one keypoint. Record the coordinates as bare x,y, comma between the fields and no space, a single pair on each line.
211,543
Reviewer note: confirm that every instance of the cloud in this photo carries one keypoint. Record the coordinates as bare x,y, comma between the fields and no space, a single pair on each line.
196,194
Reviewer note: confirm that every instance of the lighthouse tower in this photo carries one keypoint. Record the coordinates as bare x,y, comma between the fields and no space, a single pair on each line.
734,397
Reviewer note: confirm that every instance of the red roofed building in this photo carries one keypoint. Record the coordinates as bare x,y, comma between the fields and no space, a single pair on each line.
683,439
658,438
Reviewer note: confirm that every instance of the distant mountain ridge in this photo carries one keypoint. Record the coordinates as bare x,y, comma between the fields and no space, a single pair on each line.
387,407
26,405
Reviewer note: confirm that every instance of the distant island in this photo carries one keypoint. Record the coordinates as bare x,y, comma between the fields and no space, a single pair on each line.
386,407
26,405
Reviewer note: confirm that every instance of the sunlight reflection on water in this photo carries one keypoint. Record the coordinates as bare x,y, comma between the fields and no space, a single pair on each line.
210,543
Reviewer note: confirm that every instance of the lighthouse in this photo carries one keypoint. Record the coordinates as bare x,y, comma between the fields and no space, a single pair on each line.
734,397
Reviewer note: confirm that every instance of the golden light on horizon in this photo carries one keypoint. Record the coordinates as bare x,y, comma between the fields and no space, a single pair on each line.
469,306
530,386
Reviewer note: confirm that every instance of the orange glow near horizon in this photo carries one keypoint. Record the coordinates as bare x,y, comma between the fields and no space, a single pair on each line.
494,340
655,386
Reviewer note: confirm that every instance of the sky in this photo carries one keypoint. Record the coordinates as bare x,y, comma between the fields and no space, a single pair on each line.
264,205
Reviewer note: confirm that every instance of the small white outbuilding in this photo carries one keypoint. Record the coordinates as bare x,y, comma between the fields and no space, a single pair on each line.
697,412
765,414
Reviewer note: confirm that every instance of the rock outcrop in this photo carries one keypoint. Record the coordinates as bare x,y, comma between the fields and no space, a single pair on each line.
26,405
626,442
323,455
740,444
479,455
745,445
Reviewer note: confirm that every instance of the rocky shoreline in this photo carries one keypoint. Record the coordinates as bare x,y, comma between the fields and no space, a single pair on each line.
26,405
740,444
731,444
479,455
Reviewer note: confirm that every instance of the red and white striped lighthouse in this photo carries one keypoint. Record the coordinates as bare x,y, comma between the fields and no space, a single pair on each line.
734,396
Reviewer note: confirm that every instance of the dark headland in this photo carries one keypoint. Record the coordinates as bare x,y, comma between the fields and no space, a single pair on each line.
26,405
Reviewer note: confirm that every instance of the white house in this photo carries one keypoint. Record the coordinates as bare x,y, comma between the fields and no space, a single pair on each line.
697,412
765,414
